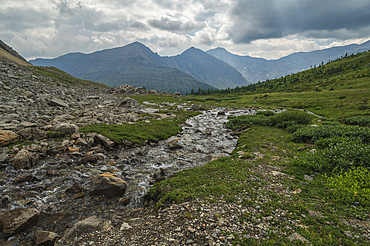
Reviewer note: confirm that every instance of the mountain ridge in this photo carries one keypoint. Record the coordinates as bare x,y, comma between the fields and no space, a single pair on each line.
137,65
7,54
260,69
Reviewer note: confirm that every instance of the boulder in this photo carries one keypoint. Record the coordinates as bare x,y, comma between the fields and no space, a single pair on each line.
4,157
128,102
196,107
108,185
7,137
174,144
90,224
46,238
66,128
106,141
57,102
25,159
18,220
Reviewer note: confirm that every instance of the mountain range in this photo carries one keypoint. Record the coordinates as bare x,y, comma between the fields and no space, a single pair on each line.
259,69
137,65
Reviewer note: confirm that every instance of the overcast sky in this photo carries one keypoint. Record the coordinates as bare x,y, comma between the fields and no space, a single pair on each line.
259,28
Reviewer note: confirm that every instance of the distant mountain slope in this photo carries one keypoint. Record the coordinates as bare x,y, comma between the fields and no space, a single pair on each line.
7,54
137,65
258,69
206,68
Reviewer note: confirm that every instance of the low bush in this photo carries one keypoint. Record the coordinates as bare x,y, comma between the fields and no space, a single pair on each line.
265,113
351,186
291,117
312,134
335,156
247,120
359,120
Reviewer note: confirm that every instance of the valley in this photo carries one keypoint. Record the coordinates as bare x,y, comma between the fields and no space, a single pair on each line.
82,163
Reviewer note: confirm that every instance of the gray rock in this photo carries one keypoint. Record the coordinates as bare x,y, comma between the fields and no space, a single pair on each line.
46,238
106,141
4,157
25,159
108,185
7,137
128,102
66,128
90,224
57,102
18,220
196,107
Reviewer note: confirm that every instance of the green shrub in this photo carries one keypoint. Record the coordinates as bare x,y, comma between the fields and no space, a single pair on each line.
336,156
293,128
291,117
312,134
351,186
330,142
359,120
265,113
245,120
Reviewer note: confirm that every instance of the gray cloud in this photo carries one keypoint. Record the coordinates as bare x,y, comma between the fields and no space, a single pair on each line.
261,19
139,25
17,20
167,24
267,28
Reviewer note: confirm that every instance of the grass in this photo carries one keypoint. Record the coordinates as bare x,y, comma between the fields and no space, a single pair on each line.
137,133
338,89
65,78
243,179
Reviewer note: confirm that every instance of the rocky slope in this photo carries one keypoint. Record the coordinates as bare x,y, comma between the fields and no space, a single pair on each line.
7,54
43,155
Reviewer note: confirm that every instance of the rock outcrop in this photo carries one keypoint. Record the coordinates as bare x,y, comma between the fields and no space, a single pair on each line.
17,220
108,185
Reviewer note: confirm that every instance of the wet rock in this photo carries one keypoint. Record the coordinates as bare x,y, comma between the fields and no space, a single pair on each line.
18,220
196,107
46,238
25,159
57,102
108,185
128,102
7,137
124,201
174,144
106,141
25,178
66,128
90,224
75,189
